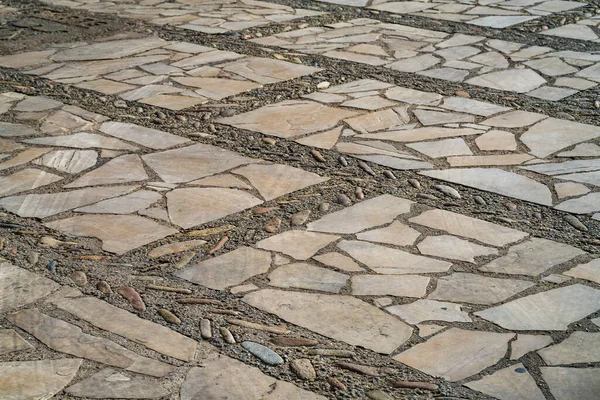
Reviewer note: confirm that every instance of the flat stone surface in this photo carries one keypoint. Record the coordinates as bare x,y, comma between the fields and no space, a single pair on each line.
461,225
122,169
36,379
580,347
176,247
389,285
109,50
552,135
128,204
83,140
24,180
385,260
111,384
442,148
514,119
589,271
19,287
22,158
396,234
572,383
514,80
456,354
298,244
527,343
225,180
364,215
8,129
306,276
582,205
477,289
325,140
338,261
569,189
147,137
532,257
496,140
342,318
471,106
429,310
70,161
511,383
451,247
548,311
228,269
11,341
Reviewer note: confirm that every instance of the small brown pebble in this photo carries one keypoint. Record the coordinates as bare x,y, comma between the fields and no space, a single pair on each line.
252,325
169,316
427,196
273,225
303,368
363,369
79,278
343,161
33,258
227,336
293,341
317,155
575,222
462,93
359,193
336,384
365,167
510,206
104,287
415,385
323,207
300,217
49,241
219,245
197,300
263,210
389,174
415,183
270,141
133,297
479,200
342,199
168,289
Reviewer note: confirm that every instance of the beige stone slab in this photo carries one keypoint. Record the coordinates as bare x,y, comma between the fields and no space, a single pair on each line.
572,383
150,91
69,161
364,215
371,103
514,80
496,140
173,102
429,310
298,244
8,145
461,225
552,310
111,384
456,354
476,161
433,117
419,134
8,129
123,169
532,257
396,234
217,88
552,135
195,206
412,96
119,233
211,57
105,86
443,148
225,180
11,341
342,318
570,189
470,106
109,50
20,380
389,285
477,289
527,343
24,180
67,338
376,121
426,330
127,204
228,269
338,261
83,140
451,247
324,140
23,157
578,348
589,271
356,57
19,287
265,70
275,180
306,276
113,319
514,119
152,138
511,383
385,260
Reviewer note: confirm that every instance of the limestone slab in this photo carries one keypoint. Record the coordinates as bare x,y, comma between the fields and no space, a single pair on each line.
306,276
11,341
442,148
396,234
389,285
128,204
589,271
429,310
470,106
24,180
527,343
572,383
19,287
70,161
338,261
8,129
266,70
419,134
127,168
551,135
570,189
581,205
514,119
298,244
580,347
225,180
109,50
83,140
23,157
324,140
111,384
451,247
514,80
152,138
496,140
511,383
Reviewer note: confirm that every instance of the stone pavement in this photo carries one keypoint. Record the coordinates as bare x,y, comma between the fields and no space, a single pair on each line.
141,262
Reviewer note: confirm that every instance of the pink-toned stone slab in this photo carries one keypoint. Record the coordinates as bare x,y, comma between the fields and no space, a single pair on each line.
122,169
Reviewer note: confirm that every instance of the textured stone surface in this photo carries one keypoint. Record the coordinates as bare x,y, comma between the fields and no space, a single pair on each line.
526,343
512,383
11,341
306,276
429,310
453,248
111,384
19,287
382,285
580,347
298,244
396,234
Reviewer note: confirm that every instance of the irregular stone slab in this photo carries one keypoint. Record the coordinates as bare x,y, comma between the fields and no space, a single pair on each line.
9,145
128,204
552,310
496,140
456,354
265,354
266,70
69,161
389,285
119,233
451,247
589,271
342,318
497,181
532,257
566,167
511,383
147,137
111,384
552,135
177,247
298,244
324,140
122,169
426,330
113,319
216,88
26,179
8,129
11,341
45,205
412,96
442,148
514,119
431,117
105,86
195,206
83,140
513,80
275,180
109,50
23,158
385,260
415,64
306,276
477,289
367,214
527,343
338,261
173,102
573,31
419,134
36,103
225,180
19,287
376,121
229,269
396,234
551,93
223,377
572,383
495,159
429,310
580,347
66,338
36,379
569,189
194,162
461,104
500,21
472,228
396,163
582,205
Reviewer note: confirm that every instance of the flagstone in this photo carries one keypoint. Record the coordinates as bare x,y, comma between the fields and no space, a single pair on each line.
553,134
83,140
150,91
69,161
582,150
8,129
572,383
385,260
105,86
396,234
551,93
45,205
428,329
152,138
456,354
36,379
574,83
109,50
551,66
412,96
578,348
11,341
118,233
504,159
461,104
190,207
513,80
514,119
496,140
451,247
229,269
19,287
127,204
477,289
369,147
532,257
265,70
511,383
442,148
225,180
324,140
123,169
429,310
589,271
501,21
419,134
113,319
62,123
111,384
389,285
552,310
338,317
396,163
376,121
448,74
275,180
70,339
415,64
306,276
572,31
29,59
369,103
173,102
361,85
9,145
298,244
584,204
25,180
527,343
364,215
338,261
23,157
565,167
216,88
